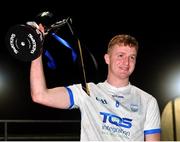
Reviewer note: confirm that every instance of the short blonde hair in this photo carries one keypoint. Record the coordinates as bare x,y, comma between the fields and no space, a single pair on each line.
123,39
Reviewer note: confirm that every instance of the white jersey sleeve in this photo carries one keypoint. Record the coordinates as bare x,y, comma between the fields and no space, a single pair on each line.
152,123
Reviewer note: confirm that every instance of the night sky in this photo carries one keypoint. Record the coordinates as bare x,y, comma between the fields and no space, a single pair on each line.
156,27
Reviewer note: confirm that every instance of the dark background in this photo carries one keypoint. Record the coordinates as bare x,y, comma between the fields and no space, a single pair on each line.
156,27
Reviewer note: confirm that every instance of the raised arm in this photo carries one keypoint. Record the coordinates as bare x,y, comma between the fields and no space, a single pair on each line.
55,97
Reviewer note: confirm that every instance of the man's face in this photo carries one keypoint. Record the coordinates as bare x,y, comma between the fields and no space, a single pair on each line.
121,61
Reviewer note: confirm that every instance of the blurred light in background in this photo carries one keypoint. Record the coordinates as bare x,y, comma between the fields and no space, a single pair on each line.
9,81
5,79
175,83
171,80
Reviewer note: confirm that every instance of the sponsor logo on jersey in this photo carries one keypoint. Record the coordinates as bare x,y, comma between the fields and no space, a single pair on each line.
115,131
116,126
116,120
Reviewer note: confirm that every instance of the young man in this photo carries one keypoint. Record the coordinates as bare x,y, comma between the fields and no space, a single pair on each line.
115,109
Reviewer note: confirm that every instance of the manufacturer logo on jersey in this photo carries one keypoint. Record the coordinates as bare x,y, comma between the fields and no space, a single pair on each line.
116,120
103,101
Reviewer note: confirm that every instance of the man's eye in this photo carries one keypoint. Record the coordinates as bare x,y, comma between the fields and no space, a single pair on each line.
133,57
120,55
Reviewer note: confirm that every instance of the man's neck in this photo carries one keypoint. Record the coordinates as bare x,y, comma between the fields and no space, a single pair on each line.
118,82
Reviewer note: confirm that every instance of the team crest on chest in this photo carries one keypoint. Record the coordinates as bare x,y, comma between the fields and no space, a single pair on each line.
134,107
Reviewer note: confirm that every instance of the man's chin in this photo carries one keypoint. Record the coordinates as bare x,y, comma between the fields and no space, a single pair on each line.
124,76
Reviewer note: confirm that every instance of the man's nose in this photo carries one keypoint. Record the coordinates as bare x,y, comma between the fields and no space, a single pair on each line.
126,61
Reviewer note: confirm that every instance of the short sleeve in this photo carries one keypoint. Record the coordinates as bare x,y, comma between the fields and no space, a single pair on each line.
152,123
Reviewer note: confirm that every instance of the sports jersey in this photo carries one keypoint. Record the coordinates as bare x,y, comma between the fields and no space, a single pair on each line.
110,113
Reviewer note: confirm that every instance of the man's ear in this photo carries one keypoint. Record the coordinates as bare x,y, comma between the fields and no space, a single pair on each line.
106,58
